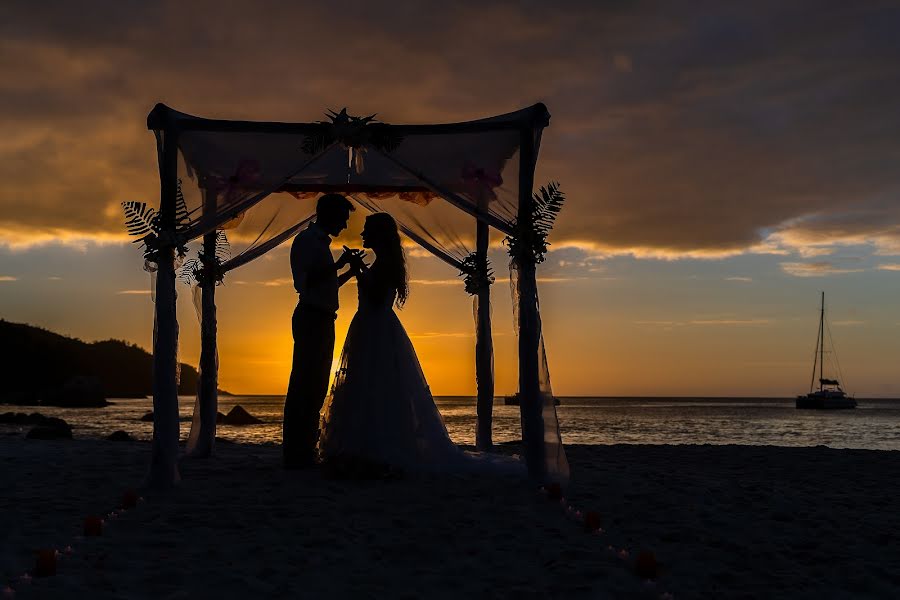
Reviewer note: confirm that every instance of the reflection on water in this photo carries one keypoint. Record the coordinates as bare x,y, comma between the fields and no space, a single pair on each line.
874,425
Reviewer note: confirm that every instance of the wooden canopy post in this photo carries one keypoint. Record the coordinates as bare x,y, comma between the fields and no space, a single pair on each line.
530,401
207,385
164,455
484,346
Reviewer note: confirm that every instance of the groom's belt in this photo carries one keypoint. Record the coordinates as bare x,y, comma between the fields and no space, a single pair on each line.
312,308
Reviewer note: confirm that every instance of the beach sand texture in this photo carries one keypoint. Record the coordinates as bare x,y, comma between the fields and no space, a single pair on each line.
724,521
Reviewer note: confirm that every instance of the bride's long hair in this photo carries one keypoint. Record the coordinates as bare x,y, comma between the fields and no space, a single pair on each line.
390,253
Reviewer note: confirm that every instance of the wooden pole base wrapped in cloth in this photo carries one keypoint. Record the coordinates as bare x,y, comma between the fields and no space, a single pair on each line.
484,347
164,459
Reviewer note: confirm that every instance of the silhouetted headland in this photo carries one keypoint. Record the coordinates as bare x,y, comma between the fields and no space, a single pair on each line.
46,368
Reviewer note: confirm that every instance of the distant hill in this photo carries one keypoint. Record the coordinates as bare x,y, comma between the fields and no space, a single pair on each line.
38,363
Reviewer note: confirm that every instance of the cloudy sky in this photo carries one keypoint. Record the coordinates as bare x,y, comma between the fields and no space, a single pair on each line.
724,163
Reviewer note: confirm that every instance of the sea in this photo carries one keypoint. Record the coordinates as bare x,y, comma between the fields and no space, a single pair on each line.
874,425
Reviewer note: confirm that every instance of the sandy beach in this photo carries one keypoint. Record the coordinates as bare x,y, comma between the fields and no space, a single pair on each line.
723,521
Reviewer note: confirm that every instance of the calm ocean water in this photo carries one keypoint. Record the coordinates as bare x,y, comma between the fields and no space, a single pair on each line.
875,424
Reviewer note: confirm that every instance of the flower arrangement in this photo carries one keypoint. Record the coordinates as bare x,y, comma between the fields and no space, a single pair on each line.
93,526
592,521
350,132
129,499
45,564
476,272
646,565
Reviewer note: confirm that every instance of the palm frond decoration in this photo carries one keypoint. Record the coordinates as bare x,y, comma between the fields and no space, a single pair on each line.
223,247
140,219
383,137
144,222
190,272
531,242
317,141
197,271
476,272
182,216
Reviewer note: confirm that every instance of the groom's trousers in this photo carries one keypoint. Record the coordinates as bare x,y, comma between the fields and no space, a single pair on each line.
313,331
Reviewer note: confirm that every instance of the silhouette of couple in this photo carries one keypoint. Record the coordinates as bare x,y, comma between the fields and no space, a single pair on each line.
380,410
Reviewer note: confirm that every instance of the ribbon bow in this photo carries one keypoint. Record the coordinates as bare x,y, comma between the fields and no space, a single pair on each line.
231,188
480,180
245,175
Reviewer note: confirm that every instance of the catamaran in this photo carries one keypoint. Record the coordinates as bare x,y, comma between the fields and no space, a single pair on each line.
829,395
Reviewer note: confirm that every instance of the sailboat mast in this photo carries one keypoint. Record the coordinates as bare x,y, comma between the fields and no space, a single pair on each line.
822,340
812,376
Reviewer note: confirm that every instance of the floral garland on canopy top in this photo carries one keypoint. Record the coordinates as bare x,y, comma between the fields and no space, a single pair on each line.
353,133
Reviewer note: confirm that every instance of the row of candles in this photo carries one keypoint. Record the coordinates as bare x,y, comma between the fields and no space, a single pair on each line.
47,559
644,565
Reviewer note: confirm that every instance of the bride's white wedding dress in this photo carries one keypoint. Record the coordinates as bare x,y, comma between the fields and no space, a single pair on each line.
380,408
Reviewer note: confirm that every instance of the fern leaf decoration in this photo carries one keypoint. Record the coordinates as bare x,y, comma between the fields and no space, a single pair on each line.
199,270
384,138
531,243
223,247
144,222
317,141
548,203
190,272
182,216
140,219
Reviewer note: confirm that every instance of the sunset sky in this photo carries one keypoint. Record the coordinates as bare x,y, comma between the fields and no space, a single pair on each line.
724,163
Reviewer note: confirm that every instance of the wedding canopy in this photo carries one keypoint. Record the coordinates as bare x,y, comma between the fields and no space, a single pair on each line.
446,185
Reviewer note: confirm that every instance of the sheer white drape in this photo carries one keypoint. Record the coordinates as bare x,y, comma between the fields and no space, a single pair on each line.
556,464
201,439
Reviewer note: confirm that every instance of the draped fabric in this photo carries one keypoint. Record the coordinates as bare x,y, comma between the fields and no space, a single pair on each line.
263,244
244,162
201,439
202,436
442,240
553,455
258,181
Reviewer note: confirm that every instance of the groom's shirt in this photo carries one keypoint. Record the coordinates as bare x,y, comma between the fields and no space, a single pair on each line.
312,265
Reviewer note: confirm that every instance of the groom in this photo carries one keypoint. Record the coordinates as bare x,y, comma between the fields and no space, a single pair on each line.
316,281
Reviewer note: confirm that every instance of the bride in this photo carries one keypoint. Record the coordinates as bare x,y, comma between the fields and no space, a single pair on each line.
380,410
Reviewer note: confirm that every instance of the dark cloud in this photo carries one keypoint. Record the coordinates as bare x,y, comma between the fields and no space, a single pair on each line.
681,129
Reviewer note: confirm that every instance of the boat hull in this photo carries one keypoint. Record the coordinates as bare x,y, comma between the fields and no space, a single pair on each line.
822,402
